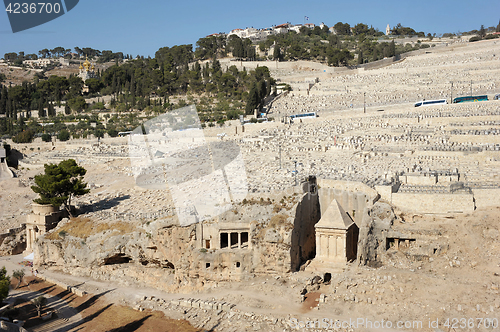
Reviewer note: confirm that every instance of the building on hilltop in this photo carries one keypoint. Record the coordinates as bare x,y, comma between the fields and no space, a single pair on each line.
87,70
38,63
388,30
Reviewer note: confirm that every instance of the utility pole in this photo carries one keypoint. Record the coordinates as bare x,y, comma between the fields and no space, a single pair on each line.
280,154
451,101
295,161
364,102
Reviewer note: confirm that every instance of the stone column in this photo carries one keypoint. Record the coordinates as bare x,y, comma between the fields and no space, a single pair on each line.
318,245
332,246
339,250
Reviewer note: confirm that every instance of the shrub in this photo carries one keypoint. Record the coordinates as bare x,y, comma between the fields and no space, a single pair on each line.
46,137
63,135
112,132
24,137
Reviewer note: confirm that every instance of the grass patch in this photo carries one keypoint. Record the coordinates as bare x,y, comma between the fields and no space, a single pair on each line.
85,227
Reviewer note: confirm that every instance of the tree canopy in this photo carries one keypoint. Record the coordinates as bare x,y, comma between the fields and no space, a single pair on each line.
59,183
4,284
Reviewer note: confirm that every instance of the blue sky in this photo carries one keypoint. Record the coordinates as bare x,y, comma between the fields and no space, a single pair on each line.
142,27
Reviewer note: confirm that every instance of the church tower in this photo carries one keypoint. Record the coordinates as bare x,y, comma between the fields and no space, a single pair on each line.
87,70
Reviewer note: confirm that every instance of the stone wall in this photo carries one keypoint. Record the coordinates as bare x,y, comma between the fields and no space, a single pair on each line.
354,201
434,203
485,198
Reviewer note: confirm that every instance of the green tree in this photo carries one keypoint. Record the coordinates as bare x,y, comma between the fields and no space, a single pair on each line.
4,284
19,275
360,57
112,132
95,85
60,183
482,32
77,104
343,29
253,100
63,135
26,136
39,302
277,53
46,137
359,29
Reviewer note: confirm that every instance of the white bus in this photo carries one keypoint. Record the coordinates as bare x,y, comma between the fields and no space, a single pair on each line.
430,102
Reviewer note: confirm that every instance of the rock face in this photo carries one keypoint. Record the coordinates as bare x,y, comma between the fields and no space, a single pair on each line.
13,242
260,236
372,236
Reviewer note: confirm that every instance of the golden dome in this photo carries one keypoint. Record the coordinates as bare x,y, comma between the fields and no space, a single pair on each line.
80,67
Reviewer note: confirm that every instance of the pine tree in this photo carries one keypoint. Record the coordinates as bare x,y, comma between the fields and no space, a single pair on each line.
60,183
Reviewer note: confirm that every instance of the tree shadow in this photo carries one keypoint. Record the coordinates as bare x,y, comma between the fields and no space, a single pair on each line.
214,328
66,296
92,300
14,157
45,290
103,204
133,326
84,320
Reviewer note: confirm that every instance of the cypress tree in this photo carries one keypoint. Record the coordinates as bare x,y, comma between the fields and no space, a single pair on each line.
253,100
360,57
41,110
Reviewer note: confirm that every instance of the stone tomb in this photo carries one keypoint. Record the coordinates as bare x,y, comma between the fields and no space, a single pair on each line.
43,219
336,240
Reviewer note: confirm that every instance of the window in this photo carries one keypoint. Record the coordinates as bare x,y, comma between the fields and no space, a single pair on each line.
244,239
207,244
207,265
234,240
238,264
224,242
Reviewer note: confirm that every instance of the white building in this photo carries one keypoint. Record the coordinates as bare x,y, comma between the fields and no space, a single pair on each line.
38,63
